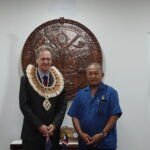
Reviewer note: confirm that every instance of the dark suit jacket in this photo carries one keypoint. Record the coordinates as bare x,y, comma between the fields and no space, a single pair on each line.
31,105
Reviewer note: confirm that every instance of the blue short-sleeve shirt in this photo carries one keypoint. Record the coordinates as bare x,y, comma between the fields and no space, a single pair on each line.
94,112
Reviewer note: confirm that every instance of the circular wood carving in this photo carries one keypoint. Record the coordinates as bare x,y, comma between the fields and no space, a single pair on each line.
73,47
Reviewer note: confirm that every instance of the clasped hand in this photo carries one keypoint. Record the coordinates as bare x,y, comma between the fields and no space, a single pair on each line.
94,140
47,130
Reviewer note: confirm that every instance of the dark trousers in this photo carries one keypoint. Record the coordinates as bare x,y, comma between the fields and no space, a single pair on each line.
33,145
39,144
98,149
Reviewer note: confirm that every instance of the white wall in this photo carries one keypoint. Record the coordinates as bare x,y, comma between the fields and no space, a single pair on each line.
122,29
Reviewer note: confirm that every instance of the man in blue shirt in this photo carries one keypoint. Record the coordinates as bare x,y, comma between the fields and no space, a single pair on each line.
95,111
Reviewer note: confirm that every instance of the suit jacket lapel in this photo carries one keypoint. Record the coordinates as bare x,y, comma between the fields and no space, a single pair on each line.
51,79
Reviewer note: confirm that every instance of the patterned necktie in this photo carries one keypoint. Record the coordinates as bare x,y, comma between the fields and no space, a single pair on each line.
45,80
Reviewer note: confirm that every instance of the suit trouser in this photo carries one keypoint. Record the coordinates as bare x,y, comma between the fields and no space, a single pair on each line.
39,144
32,145
98,149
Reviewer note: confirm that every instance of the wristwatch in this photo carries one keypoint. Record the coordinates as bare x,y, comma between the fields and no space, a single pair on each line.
104,133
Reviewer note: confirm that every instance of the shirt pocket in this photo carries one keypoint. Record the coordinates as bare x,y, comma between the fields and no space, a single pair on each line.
102,107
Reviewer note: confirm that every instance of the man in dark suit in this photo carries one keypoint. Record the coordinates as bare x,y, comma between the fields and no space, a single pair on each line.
42,102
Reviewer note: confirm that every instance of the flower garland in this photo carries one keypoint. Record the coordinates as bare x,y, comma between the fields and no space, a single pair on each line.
51,91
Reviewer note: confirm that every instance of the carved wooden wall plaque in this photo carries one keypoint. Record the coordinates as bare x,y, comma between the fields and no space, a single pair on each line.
73,47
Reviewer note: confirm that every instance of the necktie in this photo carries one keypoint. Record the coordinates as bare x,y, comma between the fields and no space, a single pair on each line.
45,80
48,143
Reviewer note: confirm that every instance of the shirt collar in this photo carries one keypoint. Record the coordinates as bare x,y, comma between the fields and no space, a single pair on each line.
41,74
100,86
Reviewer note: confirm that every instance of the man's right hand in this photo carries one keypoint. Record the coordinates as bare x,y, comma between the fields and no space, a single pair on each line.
44,130
86,138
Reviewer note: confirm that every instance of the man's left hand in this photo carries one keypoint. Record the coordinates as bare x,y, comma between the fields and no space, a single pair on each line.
51,129
96,139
